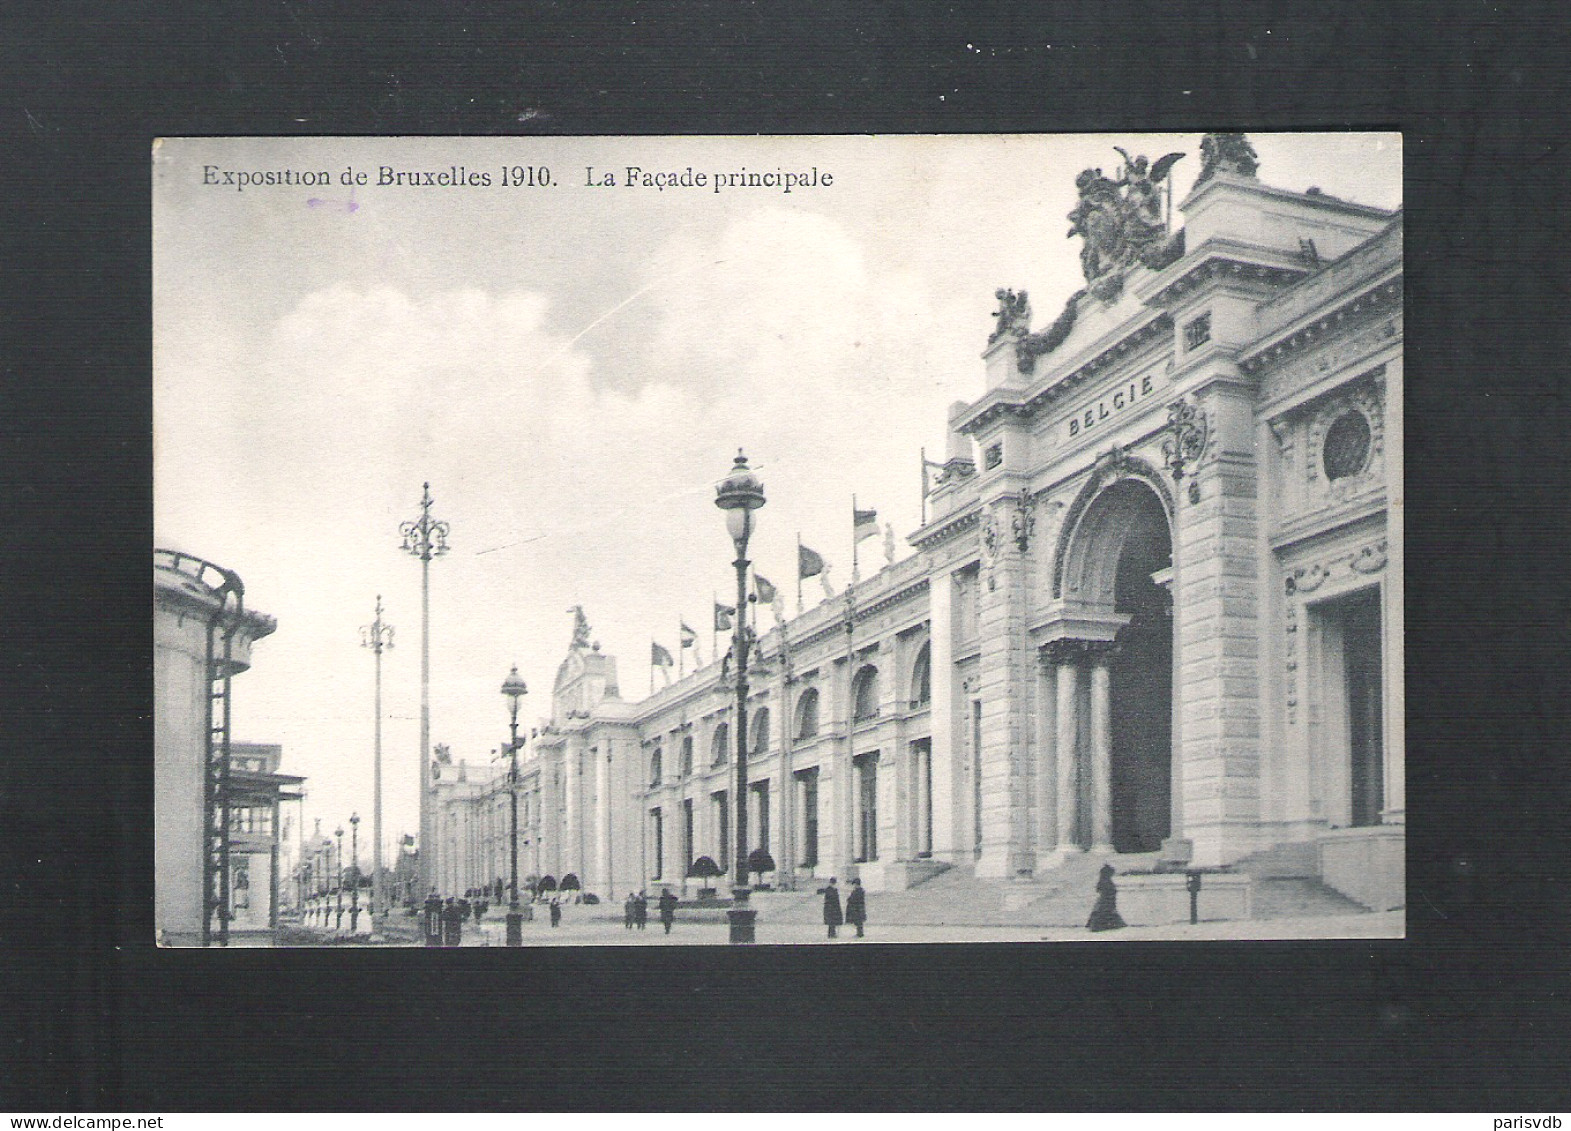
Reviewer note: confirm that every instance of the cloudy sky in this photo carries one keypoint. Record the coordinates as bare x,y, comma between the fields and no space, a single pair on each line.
572,367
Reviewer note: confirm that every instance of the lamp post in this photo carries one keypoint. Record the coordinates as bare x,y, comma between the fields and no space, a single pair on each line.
739,495
378,637
515,689
425,538
338,921
354,872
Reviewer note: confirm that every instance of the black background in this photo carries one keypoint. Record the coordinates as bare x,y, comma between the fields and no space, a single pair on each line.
1467,1014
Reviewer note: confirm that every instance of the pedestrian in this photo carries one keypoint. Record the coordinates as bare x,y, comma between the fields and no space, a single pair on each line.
452,924
856,906
432,921
627,913
667,909
831,896
556,912
1104,916
465,909
640,910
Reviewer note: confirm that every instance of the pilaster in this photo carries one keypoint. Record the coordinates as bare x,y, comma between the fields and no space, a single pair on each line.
945,695
1217,637
1006,691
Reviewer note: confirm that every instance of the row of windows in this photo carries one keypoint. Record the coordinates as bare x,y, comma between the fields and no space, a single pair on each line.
865,698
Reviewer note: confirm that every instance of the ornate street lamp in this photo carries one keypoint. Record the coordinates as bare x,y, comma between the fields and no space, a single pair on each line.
514,689
378,637
739,495
425,538
338,921
354,871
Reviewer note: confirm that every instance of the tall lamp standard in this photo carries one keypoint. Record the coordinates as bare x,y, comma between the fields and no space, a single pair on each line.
354,872
739,495
514,689
338,921
425,538
378,637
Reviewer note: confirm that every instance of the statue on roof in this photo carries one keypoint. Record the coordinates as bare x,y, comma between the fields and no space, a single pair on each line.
1227,153
1120,219
1013,314
580,628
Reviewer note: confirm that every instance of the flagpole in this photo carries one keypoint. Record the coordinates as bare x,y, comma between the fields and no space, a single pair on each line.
681,649
924,486
651,665
714,628
798,573
856,571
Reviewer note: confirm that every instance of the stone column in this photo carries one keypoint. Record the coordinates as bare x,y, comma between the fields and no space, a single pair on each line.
1101,752
1046,828
1067,779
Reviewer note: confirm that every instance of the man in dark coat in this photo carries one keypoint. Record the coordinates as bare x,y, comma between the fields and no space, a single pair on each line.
640,910
432,921
627,913
1104,916
452,924
556,912
667,909
831,896
856,906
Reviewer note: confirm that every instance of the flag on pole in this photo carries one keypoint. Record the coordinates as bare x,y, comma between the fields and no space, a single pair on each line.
764,588
659,658
723,615
689,639
809,563
864,524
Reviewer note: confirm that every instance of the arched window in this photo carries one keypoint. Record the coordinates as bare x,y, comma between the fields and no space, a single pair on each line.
807,713
922,677
864,693
758,731
654,768
721,749
687,755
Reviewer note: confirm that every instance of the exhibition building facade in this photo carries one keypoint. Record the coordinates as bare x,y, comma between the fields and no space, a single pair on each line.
1154,612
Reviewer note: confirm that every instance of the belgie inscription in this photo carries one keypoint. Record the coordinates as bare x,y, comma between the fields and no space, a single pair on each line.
1109,406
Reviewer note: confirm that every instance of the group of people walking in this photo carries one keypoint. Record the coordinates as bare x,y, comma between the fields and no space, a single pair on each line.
635,910
442,923
855,913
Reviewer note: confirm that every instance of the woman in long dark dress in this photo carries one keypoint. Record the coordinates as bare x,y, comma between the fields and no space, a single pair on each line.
1104,916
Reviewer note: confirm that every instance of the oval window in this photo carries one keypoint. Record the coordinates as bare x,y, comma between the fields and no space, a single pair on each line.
1347,445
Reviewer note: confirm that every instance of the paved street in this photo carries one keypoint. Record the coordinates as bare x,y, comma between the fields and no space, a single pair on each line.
598,926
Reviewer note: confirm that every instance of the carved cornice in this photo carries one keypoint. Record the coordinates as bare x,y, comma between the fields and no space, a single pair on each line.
937,534
1217,266
1094,366
1072,651
1367,559
1368,305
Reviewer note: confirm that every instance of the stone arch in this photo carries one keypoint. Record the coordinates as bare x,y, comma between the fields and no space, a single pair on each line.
922,675
807,713
1116,565
758,732
864,693
1111,469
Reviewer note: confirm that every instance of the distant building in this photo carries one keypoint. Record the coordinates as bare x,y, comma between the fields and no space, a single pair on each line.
256,790
1154,613
204,854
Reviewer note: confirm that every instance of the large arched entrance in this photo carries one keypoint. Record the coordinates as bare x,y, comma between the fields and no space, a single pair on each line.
1116,570
1141,679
